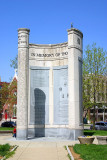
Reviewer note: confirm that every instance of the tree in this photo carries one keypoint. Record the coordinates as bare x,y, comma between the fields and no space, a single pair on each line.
94,73
4,92
14,62
12,98
3,95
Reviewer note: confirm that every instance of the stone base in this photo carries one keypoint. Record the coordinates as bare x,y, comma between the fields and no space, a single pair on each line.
22,134
102,139
64,133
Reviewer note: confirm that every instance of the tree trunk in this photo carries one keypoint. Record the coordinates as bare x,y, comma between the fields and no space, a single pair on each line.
89,114
94,106
94,117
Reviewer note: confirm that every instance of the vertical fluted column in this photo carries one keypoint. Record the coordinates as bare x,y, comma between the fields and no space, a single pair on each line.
23,77
75,78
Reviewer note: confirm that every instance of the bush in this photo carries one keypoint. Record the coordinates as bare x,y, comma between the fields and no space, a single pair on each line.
4,149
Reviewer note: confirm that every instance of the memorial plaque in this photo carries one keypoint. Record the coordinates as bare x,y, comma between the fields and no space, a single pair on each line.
61,95
39,110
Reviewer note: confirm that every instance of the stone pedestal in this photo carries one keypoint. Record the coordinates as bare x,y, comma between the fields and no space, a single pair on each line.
102,139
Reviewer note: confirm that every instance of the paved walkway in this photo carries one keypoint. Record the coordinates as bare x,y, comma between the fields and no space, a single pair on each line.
39,149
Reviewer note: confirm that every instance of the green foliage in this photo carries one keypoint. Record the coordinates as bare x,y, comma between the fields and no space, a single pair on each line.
11,153
94,72
94,78
95,133
12,98
6,152
69,157
91,151
4,92
6,129
4,149
65,147
14,62
95,60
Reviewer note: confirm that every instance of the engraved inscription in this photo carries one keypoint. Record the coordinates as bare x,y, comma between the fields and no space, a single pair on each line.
22,39
49,55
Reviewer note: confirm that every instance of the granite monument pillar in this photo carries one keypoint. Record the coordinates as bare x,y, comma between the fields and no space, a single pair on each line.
23,74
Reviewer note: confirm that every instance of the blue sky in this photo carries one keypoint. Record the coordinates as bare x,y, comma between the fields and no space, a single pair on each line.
48,21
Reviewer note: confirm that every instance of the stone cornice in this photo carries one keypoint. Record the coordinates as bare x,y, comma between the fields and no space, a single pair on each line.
65,44
24,29
76,47
74,30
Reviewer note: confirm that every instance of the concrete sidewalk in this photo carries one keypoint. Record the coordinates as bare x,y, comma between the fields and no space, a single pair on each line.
39,148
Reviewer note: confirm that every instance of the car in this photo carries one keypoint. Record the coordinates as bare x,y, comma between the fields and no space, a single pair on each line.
105,123
100,126
8,124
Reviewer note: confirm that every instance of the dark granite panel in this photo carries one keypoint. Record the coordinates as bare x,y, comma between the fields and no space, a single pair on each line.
39,96
60,95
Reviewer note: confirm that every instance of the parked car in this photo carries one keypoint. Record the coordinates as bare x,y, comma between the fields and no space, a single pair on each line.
8,124
105,123
100,126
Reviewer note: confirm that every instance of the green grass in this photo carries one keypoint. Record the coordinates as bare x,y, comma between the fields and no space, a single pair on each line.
10,154
6,129
91,151
69,157
65,147
95,133
5,150
87,125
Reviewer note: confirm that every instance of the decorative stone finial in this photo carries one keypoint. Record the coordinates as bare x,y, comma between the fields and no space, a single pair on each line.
71,25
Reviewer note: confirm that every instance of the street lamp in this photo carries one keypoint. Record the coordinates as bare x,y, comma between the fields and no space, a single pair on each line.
104,112
96,107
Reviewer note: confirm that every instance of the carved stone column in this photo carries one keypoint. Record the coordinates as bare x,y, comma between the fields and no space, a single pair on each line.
23,76
75,81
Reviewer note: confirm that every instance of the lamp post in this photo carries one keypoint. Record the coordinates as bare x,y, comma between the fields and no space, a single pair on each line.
104,112
96,107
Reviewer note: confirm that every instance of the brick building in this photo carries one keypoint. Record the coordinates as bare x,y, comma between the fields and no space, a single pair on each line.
10,106
3,97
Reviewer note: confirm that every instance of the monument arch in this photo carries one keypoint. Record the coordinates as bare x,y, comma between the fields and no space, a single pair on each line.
49,87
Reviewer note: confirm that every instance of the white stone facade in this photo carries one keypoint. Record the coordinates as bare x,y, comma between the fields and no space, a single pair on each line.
51,57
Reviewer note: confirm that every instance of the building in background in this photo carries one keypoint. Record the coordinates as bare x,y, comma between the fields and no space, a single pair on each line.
3,95
101,105
10,106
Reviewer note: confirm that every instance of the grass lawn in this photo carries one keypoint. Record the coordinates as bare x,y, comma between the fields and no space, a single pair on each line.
95,133
5,151
91,151
6,129
86,124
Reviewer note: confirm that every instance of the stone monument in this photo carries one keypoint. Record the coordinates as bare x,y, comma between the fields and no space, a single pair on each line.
49,102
